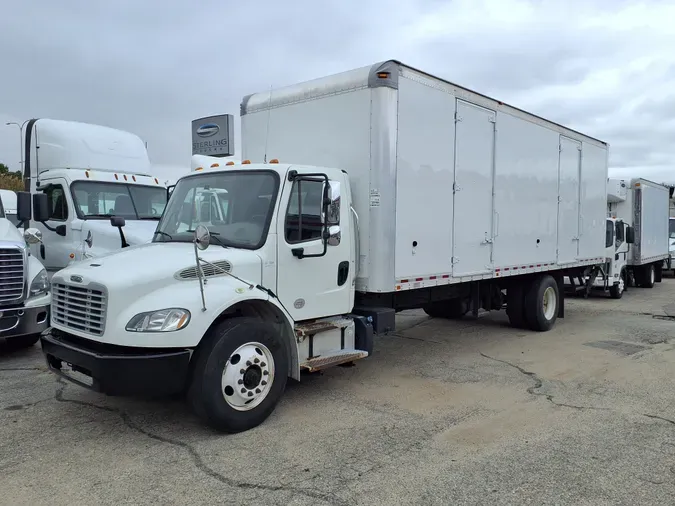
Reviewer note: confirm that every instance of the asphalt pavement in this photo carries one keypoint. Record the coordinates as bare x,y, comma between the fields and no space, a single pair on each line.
444,413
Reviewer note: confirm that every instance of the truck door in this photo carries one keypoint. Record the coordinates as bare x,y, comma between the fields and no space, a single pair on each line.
314,279
58,237
569,170
473,188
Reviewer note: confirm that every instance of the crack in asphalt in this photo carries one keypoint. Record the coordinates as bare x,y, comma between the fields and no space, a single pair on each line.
194,454
538,383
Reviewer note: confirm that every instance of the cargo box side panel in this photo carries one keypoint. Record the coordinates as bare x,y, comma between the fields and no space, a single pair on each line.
593,198
526,193
653,212
424,178
328,131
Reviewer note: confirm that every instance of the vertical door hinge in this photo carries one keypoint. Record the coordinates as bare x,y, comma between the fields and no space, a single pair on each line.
458,118
455,187
454,260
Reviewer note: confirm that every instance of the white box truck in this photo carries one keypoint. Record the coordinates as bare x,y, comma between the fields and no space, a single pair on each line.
80,176
24,287
644,206
408,192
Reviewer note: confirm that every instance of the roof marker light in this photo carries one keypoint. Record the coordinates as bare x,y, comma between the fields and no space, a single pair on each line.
213,165
246,162
116,177
134,178
125,177
230,163
86,173
199,168
156,182
383,75
274,160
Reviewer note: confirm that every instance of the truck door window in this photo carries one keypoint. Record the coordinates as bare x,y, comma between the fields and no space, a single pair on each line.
58,205
620,236
609,237
303,218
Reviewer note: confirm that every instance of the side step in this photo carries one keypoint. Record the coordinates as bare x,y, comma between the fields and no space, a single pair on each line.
335,358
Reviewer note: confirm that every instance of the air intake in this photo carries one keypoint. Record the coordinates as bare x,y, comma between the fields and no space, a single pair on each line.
208,270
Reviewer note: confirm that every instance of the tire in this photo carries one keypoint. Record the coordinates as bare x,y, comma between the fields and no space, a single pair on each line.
616,291
515,305
658,272
215,390
21,342
648,276
434,309
542,302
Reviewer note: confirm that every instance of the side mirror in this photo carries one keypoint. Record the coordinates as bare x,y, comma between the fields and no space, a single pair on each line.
118,221
41,207
89,240
169,191
32,236
202,237
23,206
333,212
630,235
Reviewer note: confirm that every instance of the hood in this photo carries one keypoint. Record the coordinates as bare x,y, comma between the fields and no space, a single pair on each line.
148,267
9,232
135,231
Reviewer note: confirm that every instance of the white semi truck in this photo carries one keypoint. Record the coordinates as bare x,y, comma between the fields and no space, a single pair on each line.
408,192
80,176
24,287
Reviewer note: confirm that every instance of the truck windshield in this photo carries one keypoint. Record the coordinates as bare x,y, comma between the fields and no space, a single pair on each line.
95,200
672,228
235,206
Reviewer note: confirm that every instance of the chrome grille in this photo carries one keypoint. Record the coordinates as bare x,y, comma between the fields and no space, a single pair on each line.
11,275
80,308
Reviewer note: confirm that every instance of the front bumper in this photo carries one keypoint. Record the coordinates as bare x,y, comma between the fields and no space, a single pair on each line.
22,321
116,370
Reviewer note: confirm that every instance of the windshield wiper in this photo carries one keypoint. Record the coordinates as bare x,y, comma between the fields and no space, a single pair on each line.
156,218
215,236
98,215
163,234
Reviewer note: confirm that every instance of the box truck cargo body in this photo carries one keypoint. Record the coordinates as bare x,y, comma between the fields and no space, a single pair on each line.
384,189
449,185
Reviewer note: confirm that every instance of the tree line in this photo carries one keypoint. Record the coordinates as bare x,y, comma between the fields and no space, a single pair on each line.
10,180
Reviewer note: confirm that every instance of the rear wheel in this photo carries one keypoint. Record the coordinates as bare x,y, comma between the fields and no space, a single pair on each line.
515,305
239,374
542,301
648,276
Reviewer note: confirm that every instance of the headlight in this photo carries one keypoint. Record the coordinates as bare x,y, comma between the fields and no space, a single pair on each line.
163,320
40,284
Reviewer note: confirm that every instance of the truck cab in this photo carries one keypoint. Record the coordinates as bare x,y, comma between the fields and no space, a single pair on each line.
82,175
24,287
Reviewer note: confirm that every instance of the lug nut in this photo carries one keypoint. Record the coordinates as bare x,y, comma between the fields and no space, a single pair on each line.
257,390
262,364
243,390
265,373
263,382
256,360
248,363
240,382
242,371
250,394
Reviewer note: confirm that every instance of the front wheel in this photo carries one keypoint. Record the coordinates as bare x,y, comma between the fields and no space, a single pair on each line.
239,374
616,291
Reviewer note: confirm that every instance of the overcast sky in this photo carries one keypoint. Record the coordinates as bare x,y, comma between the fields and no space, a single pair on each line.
605,67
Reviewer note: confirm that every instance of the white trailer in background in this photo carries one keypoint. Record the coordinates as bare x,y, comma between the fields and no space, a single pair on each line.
81,176
395,190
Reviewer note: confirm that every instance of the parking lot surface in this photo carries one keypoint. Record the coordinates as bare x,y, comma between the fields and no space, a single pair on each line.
444,412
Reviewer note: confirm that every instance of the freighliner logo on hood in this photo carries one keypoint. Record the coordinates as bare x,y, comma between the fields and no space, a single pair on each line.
208,130
76,279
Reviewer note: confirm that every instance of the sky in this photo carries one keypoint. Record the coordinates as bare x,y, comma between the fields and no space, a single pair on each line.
604,67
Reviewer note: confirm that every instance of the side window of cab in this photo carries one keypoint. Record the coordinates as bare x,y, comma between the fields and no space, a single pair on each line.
303,217
58,204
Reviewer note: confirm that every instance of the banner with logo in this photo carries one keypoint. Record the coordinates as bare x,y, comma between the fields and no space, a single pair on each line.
213,135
